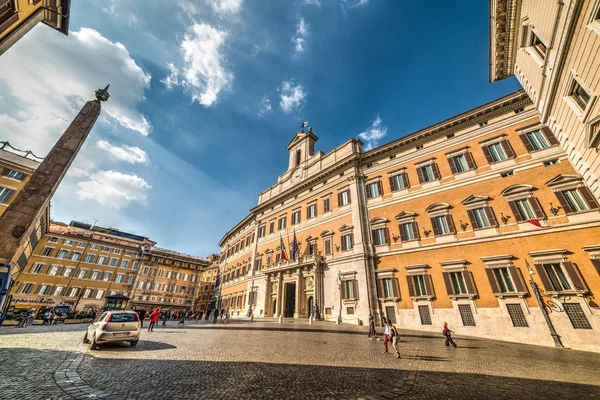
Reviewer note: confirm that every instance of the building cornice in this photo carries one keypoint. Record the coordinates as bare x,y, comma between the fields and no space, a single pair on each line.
479,114
503,20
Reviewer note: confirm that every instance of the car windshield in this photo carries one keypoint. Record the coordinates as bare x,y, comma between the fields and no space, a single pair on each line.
123,317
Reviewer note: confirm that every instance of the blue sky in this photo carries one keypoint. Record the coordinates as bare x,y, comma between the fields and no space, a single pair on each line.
206,94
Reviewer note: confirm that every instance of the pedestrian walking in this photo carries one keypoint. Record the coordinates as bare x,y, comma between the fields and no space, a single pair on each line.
142,314
372,330
153,318
387,335
448,333
54,318
46,318
395,339
164,318
181,319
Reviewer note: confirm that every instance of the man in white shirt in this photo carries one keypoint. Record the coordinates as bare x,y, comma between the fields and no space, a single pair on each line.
387,335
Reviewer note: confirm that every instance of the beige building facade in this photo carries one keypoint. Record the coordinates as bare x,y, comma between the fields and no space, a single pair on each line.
79,265
438,226
167,280
551,47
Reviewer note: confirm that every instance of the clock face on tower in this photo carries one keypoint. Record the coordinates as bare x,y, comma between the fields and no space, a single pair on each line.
297,176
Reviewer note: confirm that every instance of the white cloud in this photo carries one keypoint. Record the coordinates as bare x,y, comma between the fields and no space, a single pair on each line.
301,33
130,154
292,96
225,7
373,134
345,6
49,77
113,189
188,7
313,2
203,74
120,9
265,106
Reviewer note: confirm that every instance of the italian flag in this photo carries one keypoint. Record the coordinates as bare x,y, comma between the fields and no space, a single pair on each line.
282,256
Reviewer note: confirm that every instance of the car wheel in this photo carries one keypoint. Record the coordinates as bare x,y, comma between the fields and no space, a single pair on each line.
134,343
93,344
85,339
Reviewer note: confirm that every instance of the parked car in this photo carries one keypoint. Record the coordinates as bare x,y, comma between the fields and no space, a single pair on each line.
114,326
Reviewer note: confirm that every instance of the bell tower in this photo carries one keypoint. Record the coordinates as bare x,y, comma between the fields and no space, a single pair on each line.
301,148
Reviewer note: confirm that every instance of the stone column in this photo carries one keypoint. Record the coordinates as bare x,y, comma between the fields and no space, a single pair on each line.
299,292
267,300
279,308
17,222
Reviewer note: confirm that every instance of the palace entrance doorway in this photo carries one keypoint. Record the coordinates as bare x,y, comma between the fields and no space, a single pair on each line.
290,300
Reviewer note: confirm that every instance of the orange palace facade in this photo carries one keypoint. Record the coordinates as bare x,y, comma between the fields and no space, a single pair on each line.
448,224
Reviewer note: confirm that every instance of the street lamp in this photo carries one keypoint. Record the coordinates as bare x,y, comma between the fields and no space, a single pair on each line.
339,280
538,297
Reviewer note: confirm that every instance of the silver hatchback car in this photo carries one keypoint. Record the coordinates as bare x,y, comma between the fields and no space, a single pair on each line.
114,326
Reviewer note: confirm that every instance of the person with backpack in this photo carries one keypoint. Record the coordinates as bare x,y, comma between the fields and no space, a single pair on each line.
448,333
395,339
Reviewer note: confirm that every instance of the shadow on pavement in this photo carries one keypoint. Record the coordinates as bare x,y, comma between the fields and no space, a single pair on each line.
143,345
162,378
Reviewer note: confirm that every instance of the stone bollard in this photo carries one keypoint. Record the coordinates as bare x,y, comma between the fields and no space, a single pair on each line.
310,320
280,319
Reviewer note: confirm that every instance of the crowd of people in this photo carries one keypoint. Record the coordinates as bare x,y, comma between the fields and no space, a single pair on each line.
181,316
390,335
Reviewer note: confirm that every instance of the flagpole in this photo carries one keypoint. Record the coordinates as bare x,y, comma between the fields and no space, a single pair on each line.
288,240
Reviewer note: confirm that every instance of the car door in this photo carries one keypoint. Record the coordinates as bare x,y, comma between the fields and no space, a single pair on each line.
94,325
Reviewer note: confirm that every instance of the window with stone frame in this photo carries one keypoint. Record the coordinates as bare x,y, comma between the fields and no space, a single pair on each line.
347,237
37,268
261,231
428,171
480,213
8,14
579,97
387,286
349,287
374,189
523,204
458,280
557,274
505,279
419,282
572,194
271,226
344,197
379,231
460,161
281,223
326,204
441,220
537,138
311,210
399,181
296,217
327,246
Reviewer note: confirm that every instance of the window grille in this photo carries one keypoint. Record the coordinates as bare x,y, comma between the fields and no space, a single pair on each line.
425,315
516,315
466,314
577,316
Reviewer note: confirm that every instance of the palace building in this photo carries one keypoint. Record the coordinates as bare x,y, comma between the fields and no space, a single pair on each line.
16,167
78,264
18,17
207,295
167,279
551,47
448,224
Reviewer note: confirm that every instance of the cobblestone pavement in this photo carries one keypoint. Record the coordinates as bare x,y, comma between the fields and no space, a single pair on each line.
294,360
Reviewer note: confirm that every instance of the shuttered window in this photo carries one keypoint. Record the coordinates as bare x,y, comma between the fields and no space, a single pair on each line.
350,289
343,198
327,246
443,225
6,194
526,209
428,173
374,189
575,200
347,242
497,152
482,217
326,205
409,231
8,15
381,236
399,182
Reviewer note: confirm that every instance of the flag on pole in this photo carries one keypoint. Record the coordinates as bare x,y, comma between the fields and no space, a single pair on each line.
294,247
282,256
536,223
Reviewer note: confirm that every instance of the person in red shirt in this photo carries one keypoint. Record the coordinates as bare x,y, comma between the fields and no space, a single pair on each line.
153,318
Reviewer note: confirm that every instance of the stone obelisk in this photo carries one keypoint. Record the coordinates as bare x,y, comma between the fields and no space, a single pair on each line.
18,221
